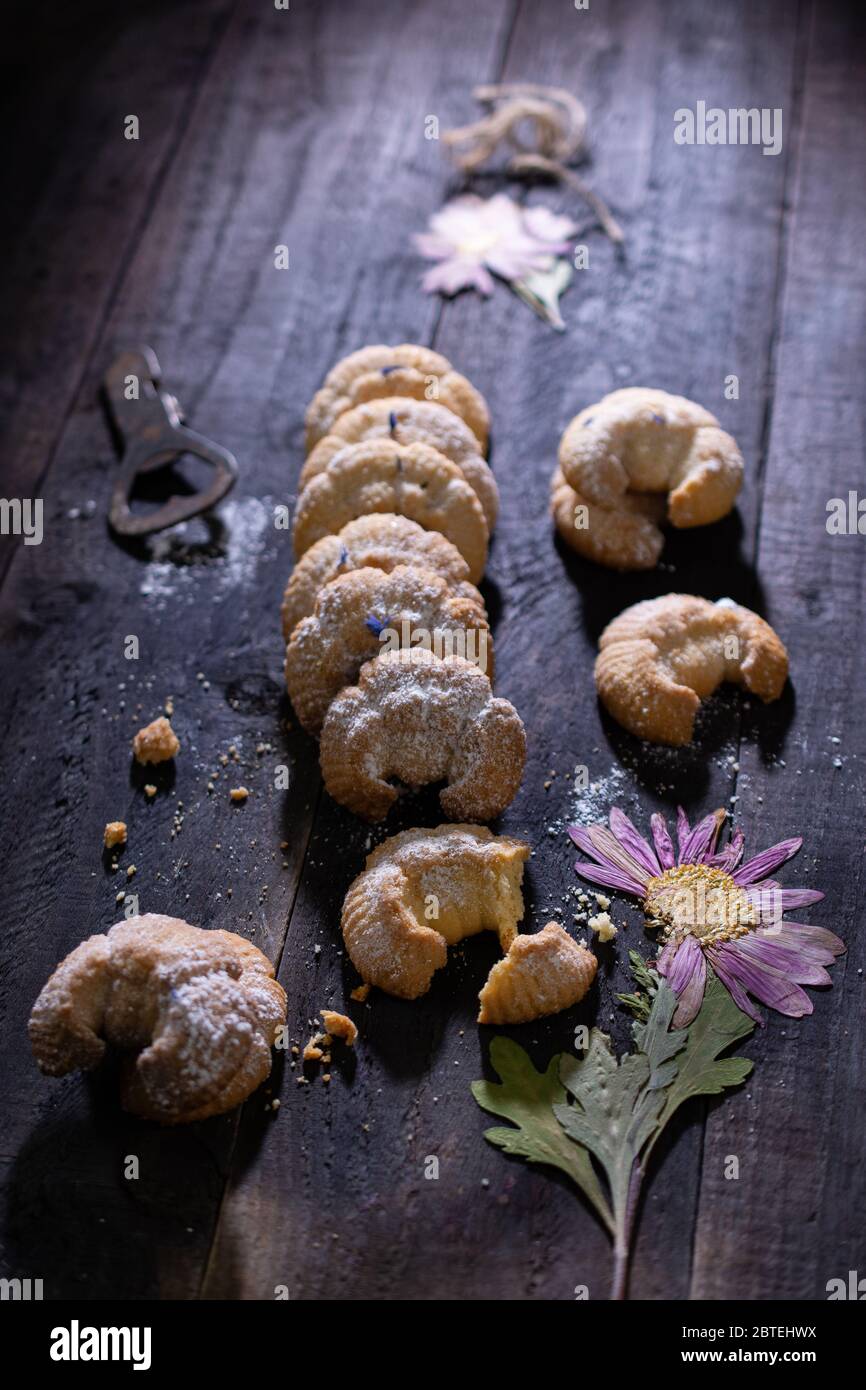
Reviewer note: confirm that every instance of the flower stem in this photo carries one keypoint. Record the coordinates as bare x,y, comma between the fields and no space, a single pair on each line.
623,1237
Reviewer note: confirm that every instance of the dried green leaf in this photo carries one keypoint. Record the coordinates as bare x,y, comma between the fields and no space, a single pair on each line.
701,1071
527,1097
655,1039
606,1091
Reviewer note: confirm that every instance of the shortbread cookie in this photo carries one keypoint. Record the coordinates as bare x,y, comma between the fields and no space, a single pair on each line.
660,658
381,541
640,440
382,476
425,890
541,974
422,719
406,370
194,1012
625,536
411,422
361,614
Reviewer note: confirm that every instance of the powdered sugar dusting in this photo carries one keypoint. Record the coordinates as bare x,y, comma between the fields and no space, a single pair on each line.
230,558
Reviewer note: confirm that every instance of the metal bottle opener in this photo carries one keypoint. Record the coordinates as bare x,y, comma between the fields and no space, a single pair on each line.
151,427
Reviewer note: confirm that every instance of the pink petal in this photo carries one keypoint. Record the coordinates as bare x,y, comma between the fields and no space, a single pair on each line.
739,996
608,878
607,847
631,840
666,958
449,277
683,831
684,964
772,987
784,957
581,837
692,996
433,248
702,838
817,937
730,856
662,841
764,863
549,226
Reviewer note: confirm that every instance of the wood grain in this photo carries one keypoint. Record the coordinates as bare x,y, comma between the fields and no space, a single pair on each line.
784,1227
306,128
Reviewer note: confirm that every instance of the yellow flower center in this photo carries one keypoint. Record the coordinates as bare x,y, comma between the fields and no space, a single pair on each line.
697,900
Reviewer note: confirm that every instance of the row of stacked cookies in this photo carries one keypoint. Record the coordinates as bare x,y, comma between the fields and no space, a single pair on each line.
389,656
391,533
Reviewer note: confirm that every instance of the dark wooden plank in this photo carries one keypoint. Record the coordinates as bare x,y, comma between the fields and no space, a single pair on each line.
336,1203
295,138
77,193
793,1220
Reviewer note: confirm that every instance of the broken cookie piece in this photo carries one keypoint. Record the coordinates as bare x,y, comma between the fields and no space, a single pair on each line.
541,974
156,742
339,1026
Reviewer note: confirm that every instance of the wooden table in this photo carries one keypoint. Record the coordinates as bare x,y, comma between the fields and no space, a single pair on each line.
306,127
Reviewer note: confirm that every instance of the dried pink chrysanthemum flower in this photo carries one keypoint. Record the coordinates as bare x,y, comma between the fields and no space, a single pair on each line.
712,909
471,236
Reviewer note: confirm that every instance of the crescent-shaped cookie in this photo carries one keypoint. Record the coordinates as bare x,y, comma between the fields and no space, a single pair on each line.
660,658
194,1012
366,612
383,476
405,370
623,536
641,440
419,718
411,422
379,541
424,890
542,974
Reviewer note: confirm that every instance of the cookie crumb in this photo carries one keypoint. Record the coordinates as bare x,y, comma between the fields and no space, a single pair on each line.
150,790
238,794
360,993
114,834
603,926
156,742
